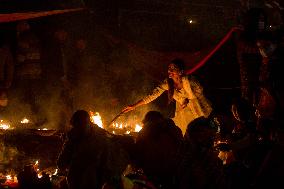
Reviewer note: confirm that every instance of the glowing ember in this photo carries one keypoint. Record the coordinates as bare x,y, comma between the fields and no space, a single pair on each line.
56,171
25,120
4,125
124,128
96,119
8,177
118,125
137,128
44,129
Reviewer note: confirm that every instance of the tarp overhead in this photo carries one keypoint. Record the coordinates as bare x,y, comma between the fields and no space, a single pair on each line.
12,17
155,62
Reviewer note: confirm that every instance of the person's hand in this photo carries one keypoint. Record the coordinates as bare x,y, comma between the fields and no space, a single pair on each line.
128,108
184,104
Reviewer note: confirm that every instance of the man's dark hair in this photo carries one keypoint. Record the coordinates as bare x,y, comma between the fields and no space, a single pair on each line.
179,63
80,117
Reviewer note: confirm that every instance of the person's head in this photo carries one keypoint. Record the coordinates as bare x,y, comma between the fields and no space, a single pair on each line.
29,169
152,116
255,22
241,109
80,120
200,132
176,68
152,124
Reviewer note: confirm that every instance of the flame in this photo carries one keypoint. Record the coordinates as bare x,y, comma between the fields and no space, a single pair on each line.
118,125
96,119
116,128
125,128
15,179
4,125
56,171
44,129
137,128
25,120
8,177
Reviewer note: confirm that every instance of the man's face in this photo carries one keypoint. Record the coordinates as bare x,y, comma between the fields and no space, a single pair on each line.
173,71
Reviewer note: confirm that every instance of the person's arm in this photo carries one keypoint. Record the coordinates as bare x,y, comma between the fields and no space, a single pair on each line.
149,98
133,106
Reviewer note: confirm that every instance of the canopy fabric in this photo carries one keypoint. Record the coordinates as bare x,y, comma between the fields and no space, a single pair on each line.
154,63
12,17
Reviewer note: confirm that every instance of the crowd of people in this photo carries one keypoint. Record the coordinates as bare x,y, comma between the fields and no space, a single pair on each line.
246,154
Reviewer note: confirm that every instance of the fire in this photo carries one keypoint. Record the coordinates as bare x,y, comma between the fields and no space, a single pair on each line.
39,175
43,129
8,177
137,128
116,128
4,125
25,120
96,119
125,128
56,171
118,125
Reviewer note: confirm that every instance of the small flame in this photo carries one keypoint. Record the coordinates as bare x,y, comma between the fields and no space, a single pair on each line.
56,171
8,177
36,163
39,175
96,119
127,132
137,128
4,125
15,179
25,120
43,129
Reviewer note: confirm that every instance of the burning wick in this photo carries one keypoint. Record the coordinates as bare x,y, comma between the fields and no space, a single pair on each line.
25,120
